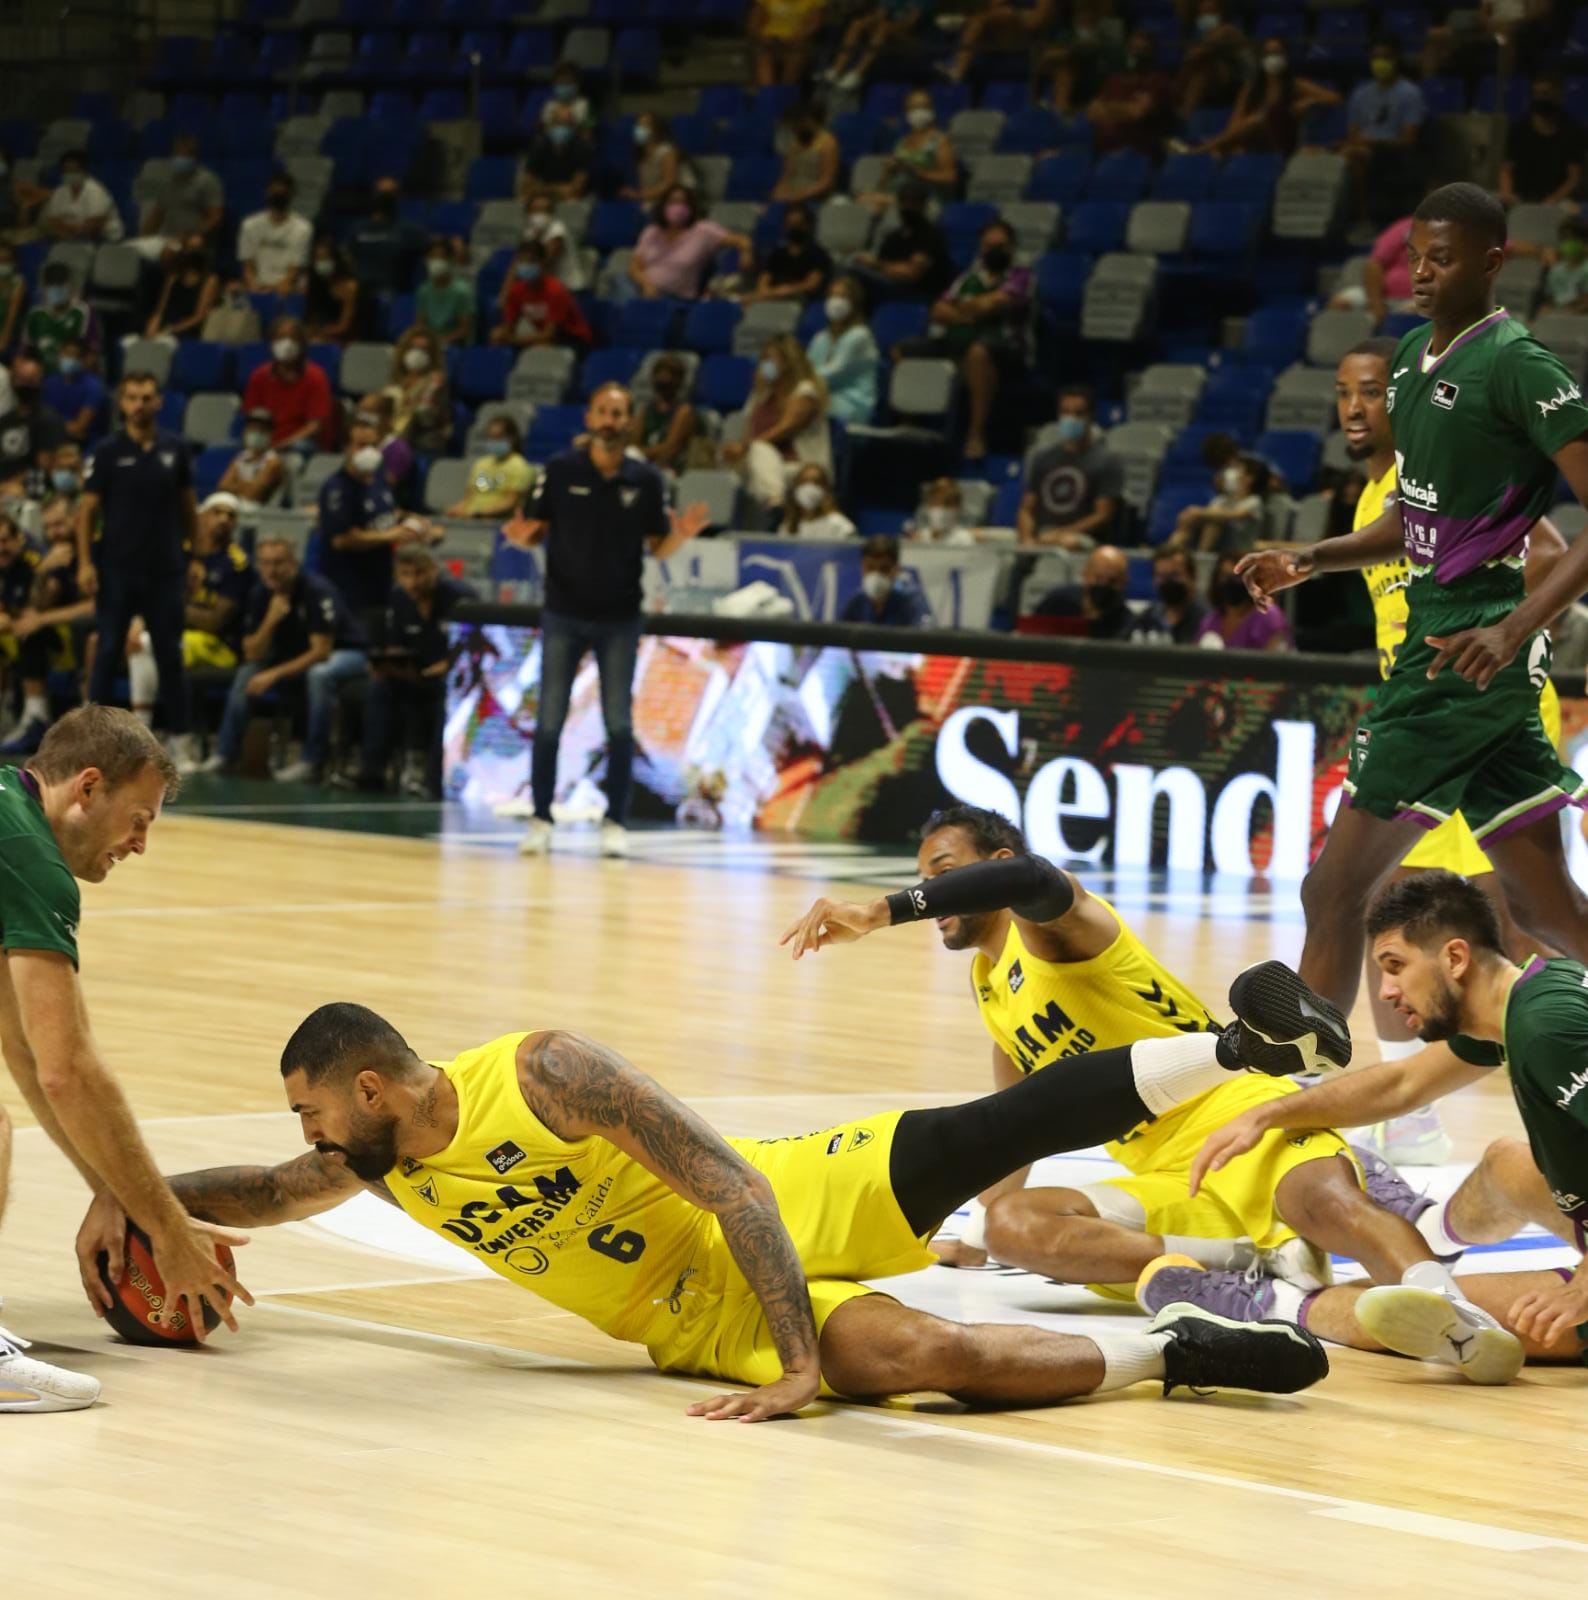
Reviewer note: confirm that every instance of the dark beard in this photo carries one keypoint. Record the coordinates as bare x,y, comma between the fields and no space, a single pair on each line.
1442,1021
371,1151
967,932
1358,452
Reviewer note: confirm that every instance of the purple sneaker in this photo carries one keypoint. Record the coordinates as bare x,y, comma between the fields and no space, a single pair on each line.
1386,1187
1237,1296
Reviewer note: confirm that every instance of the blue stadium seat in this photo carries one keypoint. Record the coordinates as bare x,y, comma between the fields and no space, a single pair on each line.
1061,285
1030,132
721,101
1061,177
1097,226
1286,25
1233,399
479,373
1207,122
491,178
695,134
962,223
646,324
1008,97
400,317
209,466
233,59
1295,453
881,520
552,430
1223,228
278,55
1324,125
1515,100
637,55
1397,324
1446,97
1167,505
532,50
443,105
197,366
753,178
1003,509
949,99
173,407
608,366
748,135
1121,175
614,225
1274,337
499,113
709,326
1407,26
896,320
377,58
858,134
775,100
812,320
178,60
723,382
1251,178
1185,177
391,105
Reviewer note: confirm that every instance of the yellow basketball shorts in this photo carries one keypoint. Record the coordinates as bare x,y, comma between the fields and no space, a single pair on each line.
837,1202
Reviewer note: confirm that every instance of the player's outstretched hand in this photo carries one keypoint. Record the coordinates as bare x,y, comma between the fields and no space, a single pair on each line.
104,1232
1475,654
790,1393
1265,572
956,1253
189,1270
1221,1147
1549,1314
835,922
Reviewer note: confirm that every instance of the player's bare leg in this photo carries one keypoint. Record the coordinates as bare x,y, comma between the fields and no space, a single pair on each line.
1532,866
1057,1233
1495,1201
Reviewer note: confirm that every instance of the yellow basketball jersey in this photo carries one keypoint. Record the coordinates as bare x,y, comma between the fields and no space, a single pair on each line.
577,1222
1386,582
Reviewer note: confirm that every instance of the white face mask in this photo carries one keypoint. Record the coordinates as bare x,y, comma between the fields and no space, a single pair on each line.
367,461
1230,480
878,586
809,496
920,117
284,349
940,518
1274,65
838,308
416,359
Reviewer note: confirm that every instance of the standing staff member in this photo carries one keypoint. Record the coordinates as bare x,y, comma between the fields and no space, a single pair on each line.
599,511
139,485
86,801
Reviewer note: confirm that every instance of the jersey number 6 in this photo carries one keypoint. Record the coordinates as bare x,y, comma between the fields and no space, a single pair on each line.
625,1246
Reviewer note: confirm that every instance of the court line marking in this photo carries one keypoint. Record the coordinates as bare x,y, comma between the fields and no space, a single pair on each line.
373,1283
279,908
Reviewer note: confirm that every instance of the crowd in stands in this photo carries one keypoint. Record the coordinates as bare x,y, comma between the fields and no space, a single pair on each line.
860,294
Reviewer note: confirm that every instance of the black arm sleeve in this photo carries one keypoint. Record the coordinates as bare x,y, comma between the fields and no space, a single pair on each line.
1029,886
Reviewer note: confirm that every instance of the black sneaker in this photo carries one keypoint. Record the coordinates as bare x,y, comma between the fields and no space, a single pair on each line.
1281,1027
1208,1351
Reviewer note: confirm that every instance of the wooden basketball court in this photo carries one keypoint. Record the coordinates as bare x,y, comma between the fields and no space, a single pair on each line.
399,1423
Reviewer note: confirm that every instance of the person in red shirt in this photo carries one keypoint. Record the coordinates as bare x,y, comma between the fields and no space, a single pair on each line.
536,307
293,389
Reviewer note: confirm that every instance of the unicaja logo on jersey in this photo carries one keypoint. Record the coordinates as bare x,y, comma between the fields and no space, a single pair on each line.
1419,494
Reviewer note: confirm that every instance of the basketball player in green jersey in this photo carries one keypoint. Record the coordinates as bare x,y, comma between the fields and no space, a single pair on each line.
1484,416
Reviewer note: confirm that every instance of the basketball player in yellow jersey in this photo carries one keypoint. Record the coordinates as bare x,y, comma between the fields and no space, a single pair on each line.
1362,383
569,1173
1057,976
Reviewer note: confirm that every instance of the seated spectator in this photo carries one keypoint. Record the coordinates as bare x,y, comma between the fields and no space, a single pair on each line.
782,34
537,308
674,254
1221,450
1544,150
407,697
1566,282
567,91
979,323
923,155
884,26
418,390
544,227
1234,622
785,424
811,162
396,453
256,475
273,245
359,524
333,303
666,426
1270,107
1081,58
501,479
444,305
1233,522
299,640
1384,131
1097,604
81,207
844,356
940,519
561,158
19,562
188,290
59,314
76,394
30,431
1074,487
66,472
190,202
657,163
13,297
293,389
1386,276
887,598
912,261
1217,63
54,629
811,512
1176,615
1132,109
999,25
19,199
385,250
798,268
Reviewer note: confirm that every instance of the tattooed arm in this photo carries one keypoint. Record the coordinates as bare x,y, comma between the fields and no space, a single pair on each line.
578,1087
256,1197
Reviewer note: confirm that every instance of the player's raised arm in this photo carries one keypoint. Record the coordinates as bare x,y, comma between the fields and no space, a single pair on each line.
577,1088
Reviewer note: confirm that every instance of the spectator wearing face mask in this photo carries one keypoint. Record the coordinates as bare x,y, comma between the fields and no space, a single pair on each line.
887,599
13,297
360,525
19,199
422,406
190,202
923,155
845,357
1097,604
798,268
1176,614
1544,150
444,305
333,305
1269,108
256,474
912,261
19,563
567,93
781,34
1217,63
500,477
66,473
273,245
1073,488
811,162
941,516
674,253
657,162
784,424
666,425
76,394
293,389
811,512
396,454
537,309
1566,282
189,288
59,314
1234,519
561,158
81,207
1233,621
30,431
54,628
1385,118
385,250
542,226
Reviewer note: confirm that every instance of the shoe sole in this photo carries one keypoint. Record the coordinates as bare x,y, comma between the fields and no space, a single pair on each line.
1276,1006
1152,1269
1310,1362
1422,1323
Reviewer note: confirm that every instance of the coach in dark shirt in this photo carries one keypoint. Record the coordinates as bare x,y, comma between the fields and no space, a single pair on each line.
598,511
138,487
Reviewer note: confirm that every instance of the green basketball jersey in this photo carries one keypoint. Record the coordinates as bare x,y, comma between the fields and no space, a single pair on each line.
1475,429
39,901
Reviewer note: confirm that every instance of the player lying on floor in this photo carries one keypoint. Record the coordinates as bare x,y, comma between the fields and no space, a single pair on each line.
551,1159
1058,975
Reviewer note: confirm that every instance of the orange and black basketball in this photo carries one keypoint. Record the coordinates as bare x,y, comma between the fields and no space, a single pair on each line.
138,1311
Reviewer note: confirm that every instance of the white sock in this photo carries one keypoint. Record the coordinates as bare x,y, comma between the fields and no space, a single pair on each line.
1431,1275
35,708
143,680
1436,1230
1218,1253
1398,1049
1169,1072
1287,1301
1129,1358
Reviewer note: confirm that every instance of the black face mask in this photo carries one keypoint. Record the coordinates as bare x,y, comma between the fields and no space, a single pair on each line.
1104,597
796,236
805,135
1174,591
997,258
278,199
1548,109
27,393
665,389
382,211
1232,592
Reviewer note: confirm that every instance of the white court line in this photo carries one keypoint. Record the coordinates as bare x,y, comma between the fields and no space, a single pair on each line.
279,908
372,1283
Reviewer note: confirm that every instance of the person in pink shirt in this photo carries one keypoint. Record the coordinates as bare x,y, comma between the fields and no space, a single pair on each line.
1386,279
674,254
1233,621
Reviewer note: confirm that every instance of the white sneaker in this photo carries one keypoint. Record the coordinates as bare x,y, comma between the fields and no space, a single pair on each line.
849,82
537,838
614,839
185,753
1439,1327
29,1385
215,763
1416,1140
298,772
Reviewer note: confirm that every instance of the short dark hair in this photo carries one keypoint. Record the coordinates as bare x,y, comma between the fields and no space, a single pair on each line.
1432,906
1079,391
1178,554
56,272
79,156
341,1039
504,419
881,547
106,737
988,831
1467,206
138,375
1379,349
